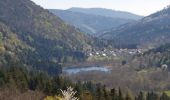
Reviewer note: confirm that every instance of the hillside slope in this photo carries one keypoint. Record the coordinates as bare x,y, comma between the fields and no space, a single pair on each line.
42,39
107,13
152,30
90,23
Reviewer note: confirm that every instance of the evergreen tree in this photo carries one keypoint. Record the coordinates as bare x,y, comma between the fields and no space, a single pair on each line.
113,94
141,96
164,97
120,95
152,96
79,89
99,92
2,79
48,88
106,96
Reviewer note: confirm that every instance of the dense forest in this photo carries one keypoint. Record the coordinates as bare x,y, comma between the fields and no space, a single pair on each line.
32,35
16,83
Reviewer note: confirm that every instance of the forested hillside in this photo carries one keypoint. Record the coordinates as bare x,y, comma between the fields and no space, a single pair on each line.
155,58
90,23
151,31
35,37
107,13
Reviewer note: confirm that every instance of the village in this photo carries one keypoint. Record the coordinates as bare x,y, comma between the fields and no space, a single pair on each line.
114,52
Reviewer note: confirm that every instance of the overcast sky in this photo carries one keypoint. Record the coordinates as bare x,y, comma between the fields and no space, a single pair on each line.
141,7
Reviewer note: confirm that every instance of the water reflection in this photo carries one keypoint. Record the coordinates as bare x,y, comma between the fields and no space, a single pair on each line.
75,70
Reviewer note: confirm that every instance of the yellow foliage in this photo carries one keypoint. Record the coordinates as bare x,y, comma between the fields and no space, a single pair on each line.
2,49
86,96
53,98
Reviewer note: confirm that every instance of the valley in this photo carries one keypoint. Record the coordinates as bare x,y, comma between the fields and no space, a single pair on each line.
82,53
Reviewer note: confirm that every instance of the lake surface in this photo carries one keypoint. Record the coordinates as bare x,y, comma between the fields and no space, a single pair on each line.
74,70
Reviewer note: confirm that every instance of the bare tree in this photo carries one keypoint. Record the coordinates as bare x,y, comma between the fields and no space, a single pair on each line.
69,94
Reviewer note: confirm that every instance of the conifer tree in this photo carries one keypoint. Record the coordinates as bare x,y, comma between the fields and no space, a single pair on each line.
141,96
120,95
164,97
152,96
99,92
105,93
113,94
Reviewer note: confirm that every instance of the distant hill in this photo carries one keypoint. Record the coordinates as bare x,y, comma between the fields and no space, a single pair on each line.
90,24
106,13
34,37
93,23
150,31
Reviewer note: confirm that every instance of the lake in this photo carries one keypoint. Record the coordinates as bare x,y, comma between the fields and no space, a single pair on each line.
74,70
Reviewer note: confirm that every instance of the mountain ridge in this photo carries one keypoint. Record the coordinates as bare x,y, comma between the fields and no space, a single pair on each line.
106,12
88,23
93,22
152,30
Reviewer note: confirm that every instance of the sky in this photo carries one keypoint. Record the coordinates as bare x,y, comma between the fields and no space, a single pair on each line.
140,7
